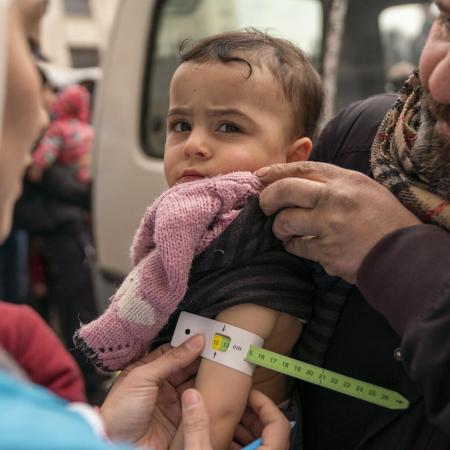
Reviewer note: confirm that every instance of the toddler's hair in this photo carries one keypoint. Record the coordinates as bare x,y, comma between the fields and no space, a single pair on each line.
299,80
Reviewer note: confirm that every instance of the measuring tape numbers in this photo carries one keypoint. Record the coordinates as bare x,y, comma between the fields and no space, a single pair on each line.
327,378
242,350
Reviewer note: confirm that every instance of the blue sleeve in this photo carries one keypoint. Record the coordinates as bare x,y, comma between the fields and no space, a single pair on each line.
31,418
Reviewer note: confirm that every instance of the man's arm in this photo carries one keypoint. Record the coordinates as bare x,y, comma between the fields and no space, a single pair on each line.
402,272
406,277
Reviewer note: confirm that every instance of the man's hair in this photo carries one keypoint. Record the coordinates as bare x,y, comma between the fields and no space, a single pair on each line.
296,75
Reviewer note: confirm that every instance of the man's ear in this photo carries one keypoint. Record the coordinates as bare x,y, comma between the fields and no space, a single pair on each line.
299,150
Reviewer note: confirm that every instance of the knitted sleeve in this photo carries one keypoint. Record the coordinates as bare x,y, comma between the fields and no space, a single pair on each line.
247,264
178,226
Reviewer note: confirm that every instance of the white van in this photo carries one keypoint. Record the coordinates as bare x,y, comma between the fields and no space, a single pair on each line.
353,43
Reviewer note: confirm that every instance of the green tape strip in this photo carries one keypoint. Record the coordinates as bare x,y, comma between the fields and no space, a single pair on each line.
326,378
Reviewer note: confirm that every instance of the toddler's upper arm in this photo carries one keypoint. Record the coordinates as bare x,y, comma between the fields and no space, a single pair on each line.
226,390
257,319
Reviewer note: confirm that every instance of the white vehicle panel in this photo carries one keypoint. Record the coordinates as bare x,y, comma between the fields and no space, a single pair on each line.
124,176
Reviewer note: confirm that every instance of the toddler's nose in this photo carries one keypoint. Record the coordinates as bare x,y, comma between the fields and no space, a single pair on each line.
196,148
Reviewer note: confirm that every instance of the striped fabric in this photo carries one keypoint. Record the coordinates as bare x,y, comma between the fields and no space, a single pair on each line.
247,264
329,298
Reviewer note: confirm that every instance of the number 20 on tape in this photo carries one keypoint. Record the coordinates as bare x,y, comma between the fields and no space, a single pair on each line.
326,378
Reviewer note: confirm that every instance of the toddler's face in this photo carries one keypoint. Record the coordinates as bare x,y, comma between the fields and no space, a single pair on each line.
219,121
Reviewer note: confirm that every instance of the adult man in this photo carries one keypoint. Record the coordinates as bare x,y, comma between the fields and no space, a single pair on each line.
391,238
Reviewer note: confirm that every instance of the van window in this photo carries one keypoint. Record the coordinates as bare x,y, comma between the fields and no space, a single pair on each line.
300,21
401,45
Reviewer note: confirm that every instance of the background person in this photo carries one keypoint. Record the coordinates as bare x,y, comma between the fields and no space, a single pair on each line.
68,139
54,211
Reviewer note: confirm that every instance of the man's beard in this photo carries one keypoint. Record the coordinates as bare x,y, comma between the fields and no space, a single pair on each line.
431,148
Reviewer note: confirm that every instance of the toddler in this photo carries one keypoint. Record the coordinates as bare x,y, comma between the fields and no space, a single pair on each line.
238,101
68,140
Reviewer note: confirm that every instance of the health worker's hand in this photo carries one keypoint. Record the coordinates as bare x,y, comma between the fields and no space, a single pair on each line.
262,419
144,408
330,215
144,404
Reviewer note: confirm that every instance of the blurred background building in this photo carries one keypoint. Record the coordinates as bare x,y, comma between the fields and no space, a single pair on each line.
75,33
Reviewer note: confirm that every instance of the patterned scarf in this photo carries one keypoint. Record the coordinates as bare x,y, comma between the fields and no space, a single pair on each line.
419,178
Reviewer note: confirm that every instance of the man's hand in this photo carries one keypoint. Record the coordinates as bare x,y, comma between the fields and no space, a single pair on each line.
330,215
144,405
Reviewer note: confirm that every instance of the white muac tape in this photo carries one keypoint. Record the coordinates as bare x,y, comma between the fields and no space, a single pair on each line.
224,343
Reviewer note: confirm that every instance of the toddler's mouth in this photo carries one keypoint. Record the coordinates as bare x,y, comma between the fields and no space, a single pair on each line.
190,175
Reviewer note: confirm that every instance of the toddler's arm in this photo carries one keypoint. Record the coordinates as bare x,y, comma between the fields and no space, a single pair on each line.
225,390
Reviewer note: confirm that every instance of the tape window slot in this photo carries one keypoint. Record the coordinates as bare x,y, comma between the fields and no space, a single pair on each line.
220,342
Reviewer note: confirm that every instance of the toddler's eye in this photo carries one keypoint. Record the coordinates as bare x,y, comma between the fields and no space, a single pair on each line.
229,128
181,126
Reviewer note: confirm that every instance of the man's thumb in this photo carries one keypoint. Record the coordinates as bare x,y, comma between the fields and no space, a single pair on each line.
195,421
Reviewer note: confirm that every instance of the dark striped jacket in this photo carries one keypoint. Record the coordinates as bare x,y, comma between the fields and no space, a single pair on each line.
247,264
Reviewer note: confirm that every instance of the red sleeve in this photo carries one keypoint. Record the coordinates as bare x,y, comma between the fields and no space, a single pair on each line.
29,340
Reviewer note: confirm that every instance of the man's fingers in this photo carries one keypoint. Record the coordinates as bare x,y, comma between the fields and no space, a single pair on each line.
302,169
305,247
291,192
195,422
293,222
276,427
172,360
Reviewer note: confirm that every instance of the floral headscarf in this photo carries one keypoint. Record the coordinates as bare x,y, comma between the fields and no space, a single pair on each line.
72,103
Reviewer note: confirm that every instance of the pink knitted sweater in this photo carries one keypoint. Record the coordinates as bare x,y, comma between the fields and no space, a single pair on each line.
179,225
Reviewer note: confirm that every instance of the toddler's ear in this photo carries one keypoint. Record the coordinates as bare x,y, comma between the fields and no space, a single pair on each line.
299,150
